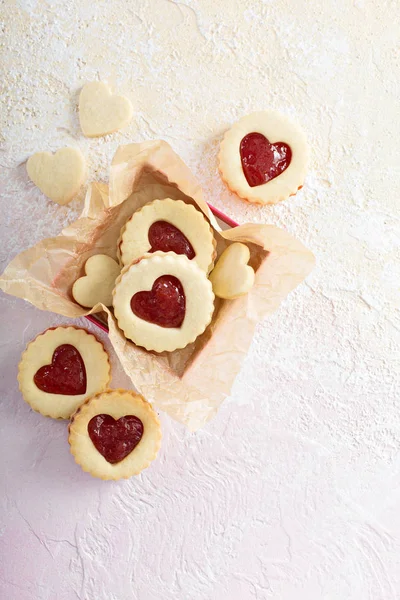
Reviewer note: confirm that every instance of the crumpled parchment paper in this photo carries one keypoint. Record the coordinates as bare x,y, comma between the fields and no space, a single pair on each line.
191,383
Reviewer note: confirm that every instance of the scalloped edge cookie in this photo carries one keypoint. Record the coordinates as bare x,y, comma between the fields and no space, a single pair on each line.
134,242
140,276
39,352
116,403
276,128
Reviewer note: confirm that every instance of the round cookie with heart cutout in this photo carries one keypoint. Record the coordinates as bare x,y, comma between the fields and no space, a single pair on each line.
163,301
263,158
168,226
115,434
60,369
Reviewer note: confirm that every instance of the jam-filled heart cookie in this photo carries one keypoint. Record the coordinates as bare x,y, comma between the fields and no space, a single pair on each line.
232,277
264,157
115,434
163,301
60,369
98,283
168,226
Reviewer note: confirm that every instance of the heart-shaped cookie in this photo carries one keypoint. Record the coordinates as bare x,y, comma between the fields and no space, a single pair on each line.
232,277
66,375
58,175
98,283
100,112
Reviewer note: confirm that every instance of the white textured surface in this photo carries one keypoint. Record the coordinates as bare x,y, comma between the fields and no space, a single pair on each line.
293,491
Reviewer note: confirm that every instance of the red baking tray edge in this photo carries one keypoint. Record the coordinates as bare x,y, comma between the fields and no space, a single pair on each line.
217,213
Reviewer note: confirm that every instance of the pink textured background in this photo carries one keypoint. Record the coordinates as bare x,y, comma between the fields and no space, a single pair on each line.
293,491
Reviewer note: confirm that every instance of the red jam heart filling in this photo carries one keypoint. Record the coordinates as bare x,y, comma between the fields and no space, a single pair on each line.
115,439
164,305
262,161
66,375
168,238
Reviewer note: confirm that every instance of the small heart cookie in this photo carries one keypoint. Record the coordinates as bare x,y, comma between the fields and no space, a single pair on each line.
58,175
232,276
100,112
97,286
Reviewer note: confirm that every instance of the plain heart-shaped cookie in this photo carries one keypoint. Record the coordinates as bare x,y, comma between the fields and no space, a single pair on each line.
98,283
58,175
232,277
100,112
